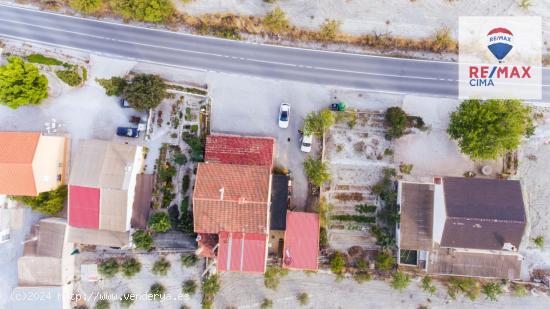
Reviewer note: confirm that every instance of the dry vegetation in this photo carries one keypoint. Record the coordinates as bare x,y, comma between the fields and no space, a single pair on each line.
231,26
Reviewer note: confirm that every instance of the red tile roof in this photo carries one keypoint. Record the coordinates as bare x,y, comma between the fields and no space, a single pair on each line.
16,155
301,246
242,252
232,149
84,207
243,205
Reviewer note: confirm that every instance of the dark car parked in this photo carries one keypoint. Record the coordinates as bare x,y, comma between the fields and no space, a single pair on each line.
127,132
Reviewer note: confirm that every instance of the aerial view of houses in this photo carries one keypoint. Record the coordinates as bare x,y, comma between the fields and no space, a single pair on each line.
274,154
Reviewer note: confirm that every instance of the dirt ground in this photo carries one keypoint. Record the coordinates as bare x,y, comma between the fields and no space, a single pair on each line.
398,17
248,291
142,281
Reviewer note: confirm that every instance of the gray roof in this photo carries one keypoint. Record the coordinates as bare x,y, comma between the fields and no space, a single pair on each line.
416,216
98,237
39,271
482,213
279,202
51,237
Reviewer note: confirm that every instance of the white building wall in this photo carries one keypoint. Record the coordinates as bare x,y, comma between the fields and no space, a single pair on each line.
439,213
136,168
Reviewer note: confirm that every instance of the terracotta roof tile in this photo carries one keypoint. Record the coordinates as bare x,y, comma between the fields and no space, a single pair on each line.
245,150
244,205
301,246
16,155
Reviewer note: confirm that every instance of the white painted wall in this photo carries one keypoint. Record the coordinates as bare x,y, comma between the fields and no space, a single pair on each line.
440,214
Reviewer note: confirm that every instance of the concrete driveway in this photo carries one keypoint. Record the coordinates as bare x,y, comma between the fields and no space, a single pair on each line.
250,106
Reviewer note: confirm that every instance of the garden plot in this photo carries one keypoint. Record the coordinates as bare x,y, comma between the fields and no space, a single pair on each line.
357,153
139,284
176,134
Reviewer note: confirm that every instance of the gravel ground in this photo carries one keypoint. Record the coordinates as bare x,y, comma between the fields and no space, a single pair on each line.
248,291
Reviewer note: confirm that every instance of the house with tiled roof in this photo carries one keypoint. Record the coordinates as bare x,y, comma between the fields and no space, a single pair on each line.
462,226
31,163
101,189
231,201
301,241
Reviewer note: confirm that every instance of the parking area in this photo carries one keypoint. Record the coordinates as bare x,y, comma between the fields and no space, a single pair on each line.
250,106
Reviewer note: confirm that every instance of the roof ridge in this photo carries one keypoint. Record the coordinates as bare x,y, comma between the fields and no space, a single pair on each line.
485,219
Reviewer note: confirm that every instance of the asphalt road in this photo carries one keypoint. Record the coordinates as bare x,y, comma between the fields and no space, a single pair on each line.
329,68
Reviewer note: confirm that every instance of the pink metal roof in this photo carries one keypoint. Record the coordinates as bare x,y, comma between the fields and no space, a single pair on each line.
242,252
301,246
84,207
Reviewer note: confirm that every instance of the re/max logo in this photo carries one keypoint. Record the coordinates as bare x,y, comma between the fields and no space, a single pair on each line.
483,75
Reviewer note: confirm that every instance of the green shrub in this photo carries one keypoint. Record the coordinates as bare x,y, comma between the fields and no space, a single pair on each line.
210,287
166,172
70,77
329,30
266,304
272,276
362,277
130,267
160,222
427,285
102,304
400,280
323,238
21,84
468,286
41,59
338,263
154,11
316,171
84,74
85,6
365,209
145,91
179,158
384,261
405,168
519,290
189,287
114,86
355,218
318,123
48,203
161,267
275,21
157,291
396,119
492,290
189,260
108,268
142,240
195,143
303,299
539,242
185,183
127,299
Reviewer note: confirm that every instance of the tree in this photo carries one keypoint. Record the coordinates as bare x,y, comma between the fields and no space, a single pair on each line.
161,267
114,86
396,119
400,280
157,291
303,298
189,287
21,84
48,203
329,29
145,91
338,263
492,290
488,129
154,11
160,222
142,240
316,171
318,123
108,268
130,267
276,21
85,6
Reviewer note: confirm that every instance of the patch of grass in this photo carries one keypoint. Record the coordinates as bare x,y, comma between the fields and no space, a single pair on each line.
69,77
519,290
355,218
428,286
539,242
84,74
365,209
157,291
469,286
362,277
400,280
130,267
384,261
329,30
492,290
338,263
388,152
41,59
276,21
